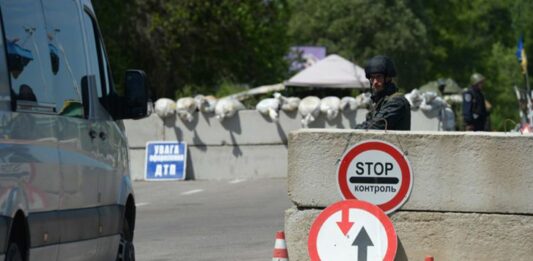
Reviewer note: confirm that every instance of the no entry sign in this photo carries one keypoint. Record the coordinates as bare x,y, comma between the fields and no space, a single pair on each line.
352,230
377,172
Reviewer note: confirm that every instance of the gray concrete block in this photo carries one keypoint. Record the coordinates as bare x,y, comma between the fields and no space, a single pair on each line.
446,236
137,163
206,135
453,171
421,121
224,162
231,162
465,236
141,131
297,226
248,127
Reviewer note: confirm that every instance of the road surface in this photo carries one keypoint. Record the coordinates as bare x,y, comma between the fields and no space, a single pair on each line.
209,220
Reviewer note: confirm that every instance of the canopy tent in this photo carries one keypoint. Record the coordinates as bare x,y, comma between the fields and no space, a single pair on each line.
451,87
331,72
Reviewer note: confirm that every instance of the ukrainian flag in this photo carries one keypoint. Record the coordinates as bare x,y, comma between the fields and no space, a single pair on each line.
521,55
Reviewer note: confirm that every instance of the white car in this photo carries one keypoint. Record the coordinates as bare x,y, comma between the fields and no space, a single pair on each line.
65,186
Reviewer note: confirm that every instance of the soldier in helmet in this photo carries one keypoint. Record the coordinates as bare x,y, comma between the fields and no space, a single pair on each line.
391,110
474,109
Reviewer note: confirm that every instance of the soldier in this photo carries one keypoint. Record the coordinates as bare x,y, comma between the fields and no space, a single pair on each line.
474,110
391,109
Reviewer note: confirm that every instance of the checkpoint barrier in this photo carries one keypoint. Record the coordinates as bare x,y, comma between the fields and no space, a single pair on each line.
471,195
247,145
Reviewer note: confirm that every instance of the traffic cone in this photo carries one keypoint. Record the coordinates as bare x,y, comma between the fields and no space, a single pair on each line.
429,258
280,248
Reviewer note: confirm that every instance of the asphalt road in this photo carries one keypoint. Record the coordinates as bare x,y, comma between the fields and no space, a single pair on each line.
209,220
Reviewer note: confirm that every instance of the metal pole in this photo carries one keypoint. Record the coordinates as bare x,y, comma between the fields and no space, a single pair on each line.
529,102
527,83
521,110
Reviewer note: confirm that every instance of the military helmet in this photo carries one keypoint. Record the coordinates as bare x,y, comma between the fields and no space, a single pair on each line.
380,64
476,78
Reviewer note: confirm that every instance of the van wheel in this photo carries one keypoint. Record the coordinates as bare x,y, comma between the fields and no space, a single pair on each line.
13,252
126,251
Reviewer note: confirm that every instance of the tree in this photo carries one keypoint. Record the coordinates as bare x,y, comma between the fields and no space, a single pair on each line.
361,29
114,17
474,36
427,39
200,43
191,46
502,77
461,34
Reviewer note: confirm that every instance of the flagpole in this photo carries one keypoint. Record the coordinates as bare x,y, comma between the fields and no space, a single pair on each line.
522,58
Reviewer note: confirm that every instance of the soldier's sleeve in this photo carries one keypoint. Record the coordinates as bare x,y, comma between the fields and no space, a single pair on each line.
467,107
363,125
389,115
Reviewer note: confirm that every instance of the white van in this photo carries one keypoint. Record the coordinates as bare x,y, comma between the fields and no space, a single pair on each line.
65,186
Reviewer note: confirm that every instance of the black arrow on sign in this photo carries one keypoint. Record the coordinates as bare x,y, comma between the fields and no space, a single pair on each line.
362,242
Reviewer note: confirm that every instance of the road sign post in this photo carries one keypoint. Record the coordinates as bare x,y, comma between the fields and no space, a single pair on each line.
352,230
165,160
377,172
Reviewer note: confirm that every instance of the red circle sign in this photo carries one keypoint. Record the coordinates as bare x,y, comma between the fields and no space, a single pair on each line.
377,172
352,230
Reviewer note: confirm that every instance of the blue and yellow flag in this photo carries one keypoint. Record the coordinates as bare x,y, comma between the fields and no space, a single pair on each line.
521,55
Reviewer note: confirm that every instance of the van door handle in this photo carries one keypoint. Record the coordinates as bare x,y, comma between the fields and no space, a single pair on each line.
92,134
103,135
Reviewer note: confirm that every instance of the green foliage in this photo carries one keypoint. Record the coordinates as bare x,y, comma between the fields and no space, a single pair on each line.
113,16
358,30
503,75
191,90
474,36
461,35
228,88
200,43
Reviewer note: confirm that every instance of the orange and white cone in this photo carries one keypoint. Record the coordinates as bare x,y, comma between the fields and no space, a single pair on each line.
280,248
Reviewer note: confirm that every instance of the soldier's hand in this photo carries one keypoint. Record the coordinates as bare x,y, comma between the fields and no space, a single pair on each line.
469,127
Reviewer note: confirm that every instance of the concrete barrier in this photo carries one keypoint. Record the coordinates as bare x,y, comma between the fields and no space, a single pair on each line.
246,146
447,236
471,196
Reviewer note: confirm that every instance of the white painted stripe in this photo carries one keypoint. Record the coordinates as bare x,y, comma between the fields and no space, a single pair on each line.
140,204
192,191
235,181
280,244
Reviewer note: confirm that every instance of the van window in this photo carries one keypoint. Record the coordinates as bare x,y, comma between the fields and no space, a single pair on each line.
96,62
66,55
5,90
99,62
28,56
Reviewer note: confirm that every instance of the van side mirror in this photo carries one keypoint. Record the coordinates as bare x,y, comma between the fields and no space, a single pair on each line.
136,95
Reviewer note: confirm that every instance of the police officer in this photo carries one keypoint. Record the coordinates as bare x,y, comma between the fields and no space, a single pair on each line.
474,110
390,109
441,83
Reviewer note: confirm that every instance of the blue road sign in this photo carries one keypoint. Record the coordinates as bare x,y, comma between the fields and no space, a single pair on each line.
165,160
